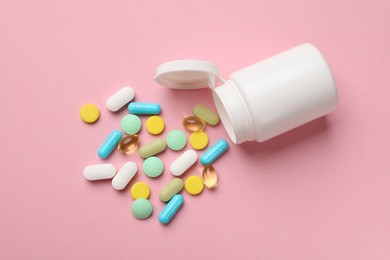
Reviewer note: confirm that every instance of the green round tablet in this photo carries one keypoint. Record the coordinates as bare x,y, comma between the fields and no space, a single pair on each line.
131,124
176,140
141,208
153,167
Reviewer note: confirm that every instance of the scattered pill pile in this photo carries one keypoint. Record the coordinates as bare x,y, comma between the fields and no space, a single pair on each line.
153,166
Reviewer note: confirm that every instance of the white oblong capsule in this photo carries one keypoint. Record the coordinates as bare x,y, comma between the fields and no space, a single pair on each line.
124,176
99,172
120,98
183,162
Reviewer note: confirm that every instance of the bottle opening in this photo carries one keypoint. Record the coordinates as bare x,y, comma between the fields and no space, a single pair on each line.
233,112
225,118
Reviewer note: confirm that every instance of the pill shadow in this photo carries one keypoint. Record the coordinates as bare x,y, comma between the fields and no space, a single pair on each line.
127,189
195,169
288,140
98,184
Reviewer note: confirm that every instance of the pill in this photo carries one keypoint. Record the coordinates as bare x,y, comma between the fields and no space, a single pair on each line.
140,108
193,123
183,162
169,190
206,114
209,177
124,176
176,140
194,185
141,208
140,190
99,172
131,124
199,140
128,143
89,113
152,148
170,209
155,125
153,167
214,152
111,142
120,98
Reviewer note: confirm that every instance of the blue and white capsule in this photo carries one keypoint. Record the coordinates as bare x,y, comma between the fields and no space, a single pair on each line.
214,152
139,108
109,145
170,209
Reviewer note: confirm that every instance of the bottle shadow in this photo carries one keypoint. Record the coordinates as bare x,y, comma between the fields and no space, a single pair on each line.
288,140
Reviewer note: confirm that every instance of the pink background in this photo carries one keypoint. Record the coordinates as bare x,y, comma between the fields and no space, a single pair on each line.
321,191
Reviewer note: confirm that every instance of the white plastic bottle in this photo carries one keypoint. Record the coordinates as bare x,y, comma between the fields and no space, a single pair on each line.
265,99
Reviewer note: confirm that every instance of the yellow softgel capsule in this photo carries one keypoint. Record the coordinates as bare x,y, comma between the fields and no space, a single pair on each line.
193,185
155,125
128,143
140,190
193,123
209,177
89,113
199,140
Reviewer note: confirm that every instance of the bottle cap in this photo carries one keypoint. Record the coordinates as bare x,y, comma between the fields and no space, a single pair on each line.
188,74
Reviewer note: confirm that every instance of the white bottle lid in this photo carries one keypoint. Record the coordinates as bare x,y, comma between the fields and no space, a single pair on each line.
188,74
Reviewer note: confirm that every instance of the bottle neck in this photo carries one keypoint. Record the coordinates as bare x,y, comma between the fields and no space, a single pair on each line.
234,113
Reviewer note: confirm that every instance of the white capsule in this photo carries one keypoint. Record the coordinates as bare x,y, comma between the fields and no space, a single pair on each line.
124,176
183,162
99,172
120,98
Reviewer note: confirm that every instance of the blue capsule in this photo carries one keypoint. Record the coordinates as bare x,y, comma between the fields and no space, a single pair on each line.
139,108
170,209
214,152
109,145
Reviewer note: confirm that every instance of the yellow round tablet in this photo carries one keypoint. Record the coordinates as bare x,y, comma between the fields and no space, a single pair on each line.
199,140
194,185
155,125
89,113
140,190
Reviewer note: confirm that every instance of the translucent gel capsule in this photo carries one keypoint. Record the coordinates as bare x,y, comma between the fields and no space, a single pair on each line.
193,123
128,143
209,177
